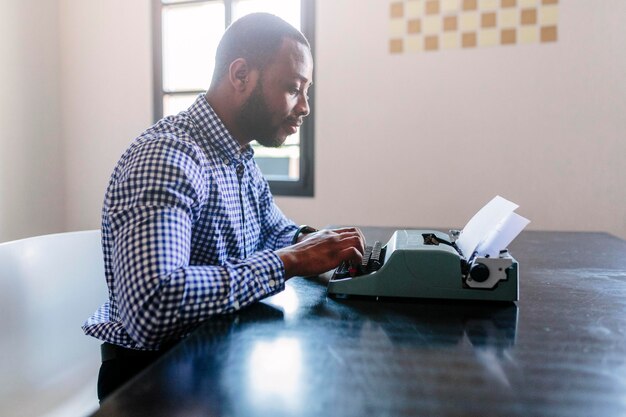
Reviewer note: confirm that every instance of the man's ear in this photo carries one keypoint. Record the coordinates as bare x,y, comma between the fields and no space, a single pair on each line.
238,74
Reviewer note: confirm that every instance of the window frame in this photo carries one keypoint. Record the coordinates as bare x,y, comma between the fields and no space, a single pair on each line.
304,186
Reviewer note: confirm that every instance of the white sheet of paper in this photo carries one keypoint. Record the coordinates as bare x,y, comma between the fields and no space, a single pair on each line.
503,234
483,223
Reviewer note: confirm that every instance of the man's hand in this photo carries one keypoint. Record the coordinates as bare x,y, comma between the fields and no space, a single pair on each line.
322,251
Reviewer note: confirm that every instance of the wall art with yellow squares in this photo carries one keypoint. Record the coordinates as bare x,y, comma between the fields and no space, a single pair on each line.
431,25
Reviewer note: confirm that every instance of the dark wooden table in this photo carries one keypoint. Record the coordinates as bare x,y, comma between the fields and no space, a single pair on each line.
559,351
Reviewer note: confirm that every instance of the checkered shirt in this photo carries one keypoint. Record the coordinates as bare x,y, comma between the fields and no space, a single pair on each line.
189,227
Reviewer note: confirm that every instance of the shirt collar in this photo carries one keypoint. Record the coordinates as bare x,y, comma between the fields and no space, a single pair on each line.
214,133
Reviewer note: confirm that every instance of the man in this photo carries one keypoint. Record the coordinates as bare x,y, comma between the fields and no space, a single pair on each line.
189,226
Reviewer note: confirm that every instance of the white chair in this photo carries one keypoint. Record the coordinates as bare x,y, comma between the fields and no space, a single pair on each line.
49,285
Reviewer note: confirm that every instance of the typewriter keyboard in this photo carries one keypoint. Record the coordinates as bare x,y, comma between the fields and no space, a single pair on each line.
373,259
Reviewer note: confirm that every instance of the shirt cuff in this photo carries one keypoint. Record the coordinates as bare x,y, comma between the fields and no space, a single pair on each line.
270,270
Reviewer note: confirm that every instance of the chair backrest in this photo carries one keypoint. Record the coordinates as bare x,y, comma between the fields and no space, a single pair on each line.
49,285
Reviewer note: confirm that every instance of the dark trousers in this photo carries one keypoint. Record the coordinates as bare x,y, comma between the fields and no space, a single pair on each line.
121,364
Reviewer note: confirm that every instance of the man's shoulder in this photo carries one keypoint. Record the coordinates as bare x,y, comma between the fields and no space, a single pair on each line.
170,129
162,145
171,132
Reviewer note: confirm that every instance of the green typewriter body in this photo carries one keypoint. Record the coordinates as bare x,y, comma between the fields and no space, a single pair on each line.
427,264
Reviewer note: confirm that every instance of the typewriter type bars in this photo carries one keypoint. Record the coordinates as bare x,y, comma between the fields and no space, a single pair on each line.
373,259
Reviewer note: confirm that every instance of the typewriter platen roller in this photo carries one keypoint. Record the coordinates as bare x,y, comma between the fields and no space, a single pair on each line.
427,264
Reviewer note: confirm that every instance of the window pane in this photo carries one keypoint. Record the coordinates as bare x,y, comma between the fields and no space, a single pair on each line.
191,33
293,139
289,10
281,164
175,103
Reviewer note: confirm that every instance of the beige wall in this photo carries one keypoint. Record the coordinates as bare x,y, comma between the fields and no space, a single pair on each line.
106,87
32,198
405,140
427,139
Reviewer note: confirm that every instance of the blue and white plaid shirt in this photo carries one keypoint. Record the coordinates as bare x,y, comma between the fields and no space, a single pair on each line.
189,227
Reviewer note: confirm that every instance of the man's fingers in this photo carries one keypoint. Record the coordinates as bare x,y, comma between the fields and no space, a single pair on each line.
351,255
348,230
350,240
352,231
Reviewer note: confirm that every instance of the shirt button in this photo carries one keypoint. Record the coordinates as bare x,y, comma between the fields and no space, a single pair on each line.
226,161
272,283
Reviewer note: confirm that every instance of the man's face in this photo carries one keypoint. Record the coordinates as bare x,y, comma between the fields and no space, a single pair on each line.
279,101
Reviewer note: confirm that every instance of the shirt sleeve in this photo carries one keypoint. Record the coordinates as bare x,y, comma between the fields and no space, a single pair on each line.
150,209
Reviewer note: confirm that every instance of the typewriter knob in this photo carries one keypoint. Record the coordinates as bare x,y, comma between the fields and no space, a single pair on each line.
479,272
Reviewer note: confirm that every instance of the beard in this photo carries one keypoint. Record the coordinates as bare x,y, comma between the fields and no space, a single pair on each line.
255,117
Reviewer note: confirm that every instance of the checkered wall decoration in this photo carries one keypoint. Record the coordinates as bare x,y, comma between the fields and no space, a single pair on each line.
431,25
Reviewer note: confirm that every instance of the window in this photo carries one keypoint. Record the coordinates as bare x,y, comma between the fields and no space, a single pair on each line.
186,34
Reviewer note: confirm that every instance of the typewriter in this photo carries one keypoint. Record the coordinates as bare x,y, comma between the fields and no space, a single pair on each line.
468,264
426,264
